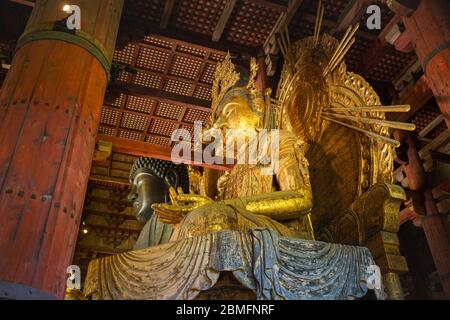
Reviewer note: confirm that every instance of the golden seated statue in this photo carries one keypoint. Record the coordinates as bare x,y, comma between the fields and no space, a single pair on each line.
251,198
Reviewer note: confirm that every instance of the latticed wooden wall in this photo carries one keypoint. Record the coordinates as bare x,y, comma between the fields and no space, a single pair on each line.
166,65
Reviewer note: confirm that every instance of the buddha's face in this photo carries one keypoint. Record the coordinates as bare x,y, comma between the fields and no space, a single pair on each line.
147,189
237,114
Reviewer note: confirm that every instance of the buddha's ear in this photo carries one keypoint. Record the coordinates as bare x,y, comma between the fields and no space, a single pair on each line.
172,178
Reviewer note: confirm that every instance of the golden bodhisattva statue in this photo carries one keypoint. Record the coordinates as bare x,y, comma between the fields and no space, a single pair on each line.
252,198
254,239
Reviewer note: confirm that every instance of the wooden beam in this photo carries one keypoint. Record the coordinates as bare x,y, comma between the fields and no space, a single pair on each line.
84,262
439,141
106,227
378,49
138,148
152,116
403,43
113,180
116,88
115,202
330,24
168,8
443,186
172,51
436,145
292,9
405,8
352,13
275,5
204,41
165,74
143,149
416,96
441,194
284,19
24,2
226,13
440,157
135,30
109,213
270,47
432,125
408,214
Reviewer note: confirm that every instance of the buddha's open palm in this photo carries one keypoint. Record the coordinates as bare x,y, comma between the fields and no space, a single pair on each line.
181,204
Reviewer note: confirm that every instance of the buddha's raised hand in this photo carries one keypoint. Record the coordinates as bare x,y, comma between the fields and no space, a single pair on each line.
181,204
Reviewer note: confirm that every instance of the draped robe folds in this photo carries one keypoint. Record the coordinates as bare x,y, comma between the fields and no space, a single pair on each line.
274,267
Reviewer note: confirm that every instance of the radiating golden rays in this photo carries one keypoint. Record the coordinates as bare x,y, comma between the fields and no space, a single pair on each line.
348,117
332,114
339,53
284,43
318,26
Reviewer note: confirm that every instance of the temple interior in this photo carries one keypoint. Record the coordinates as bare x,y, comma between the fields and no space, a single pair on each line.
87,117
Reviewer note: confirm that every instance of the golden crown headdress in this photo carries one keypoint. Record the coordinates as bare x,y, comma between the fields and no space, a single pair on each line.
225,78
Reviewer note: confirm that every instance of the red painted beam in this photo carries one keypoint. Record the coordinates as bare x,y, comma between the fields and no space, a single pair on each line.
144,149
409,215
403,43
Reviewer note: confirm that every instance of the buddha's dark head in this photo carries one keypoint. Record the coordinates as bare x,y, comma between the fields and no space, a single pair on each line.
151,180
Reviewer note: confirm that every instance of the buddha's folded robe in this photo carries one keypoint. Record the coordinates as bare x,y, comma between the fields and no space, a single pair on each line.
275,267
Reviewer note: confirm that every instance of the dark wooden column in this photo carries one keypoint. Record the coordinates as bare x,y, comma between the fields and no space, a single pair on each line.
435,225
429,30
50,106
262,80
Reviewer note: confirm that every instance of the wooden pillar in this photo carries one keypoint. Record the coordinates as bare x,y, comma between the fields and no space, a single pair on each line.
262,80
50,107
429,30
435,225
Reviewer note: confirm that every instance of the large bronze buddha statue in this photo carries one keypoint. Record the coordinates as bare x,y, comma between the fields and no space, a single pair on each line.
151,180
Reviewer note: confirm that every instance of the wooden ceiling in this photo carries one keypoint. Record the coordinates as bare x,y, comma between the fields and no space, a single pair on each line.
167,51
165,83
